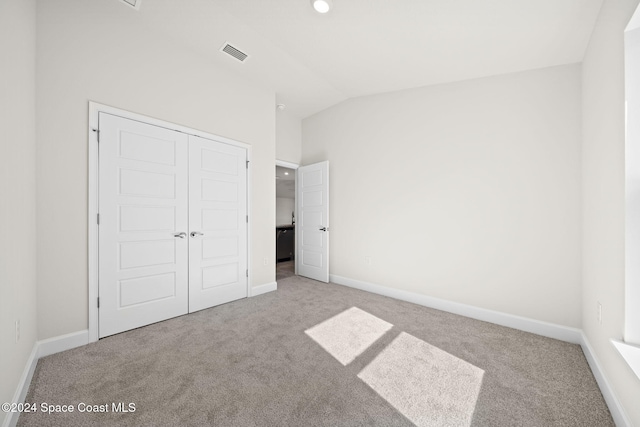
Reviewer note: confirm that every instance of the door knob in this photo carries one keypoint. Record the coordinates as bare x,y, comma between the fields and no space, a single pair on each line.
181,235
196,234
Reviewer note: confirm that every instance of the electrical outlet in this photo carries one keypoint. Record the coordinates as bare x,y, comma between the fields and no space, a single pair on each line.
367,260
17,330
599,313
265,261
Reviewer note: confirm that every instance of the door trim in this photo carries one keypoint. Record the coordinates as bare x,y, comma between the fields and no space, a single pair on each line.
93,193
287,165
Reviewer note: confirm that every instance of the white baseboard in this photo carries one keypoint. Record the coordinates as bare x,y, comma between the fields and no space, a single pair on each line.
551,330
263,289
617,412
62,343
41,349
23,386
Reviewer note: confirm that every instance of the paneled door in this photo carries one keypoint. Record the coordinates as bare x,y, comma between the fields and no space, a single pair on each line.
143,224
217,223
313,221
172,233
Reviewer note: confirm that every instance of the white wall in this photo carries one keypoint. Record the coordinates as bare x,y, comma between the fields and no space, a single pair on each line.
603,171
467,191
96,50
17,191
284,207
288,137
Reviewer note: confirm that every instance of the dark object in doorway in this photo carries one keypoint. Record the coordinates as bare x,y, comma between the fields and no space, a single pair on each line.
285,243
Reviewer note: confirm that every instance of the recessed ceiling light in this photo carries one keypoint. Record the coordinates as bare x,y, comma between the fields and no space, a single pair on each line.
321,6
286,173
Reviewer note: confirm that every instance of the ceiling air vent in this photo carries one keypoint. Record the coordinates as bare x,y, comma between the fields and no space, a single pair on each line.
235,52
133,3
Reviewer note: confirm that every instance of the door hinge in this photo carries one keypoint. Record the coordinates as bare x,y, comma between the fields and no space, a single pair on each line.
247,219
247,164
98,219
97,131
98,302
247,271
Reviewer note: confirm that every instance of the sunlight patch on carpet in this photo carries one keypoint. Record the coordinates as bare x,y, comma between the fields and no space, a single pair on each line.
348,334
427,385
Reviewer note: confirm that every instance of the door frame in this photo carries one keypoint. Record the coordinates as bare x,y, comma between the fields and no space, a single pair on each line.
93,196
294,166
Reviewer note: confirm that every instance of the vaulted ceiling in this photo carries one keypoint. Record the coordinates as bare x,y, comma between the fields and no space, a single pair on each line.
364,47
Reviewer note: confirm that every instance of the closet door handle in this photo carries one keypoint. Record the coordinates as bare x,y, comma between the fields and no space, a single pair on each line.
196,234
181,235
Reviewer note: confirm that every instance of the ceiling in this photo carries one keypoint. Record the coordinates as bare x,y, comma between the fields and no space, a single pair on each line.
365,47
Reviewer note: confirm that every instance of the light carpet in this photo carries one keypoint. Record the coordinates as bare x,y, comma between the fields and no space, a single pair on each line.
250,363
348,334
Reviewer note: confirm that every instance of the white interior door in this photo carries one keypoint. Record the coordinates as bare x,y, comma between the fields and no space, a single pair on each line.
313,221
143,243
217,223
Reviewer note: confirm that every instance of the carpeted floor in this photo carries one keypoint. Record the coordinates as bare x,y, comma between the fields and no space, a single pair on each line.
267,361
284,269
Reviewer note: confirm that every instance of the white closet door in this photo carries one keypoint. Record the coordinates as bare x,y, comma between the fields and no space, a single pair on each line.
217,223
143,271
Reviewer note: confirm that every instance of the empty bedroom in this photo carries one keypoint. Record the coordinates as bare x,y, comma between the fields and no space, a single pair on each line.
453,187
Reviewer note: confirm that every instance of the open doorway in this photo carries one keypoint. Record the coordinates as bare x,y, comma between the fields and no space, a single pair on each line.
285,220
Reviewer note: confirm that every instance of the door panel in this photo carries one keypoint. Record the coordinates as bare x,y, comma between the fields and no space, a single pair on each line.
149,253
217,222
143,289
147,184
313,221
147,218
143,202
